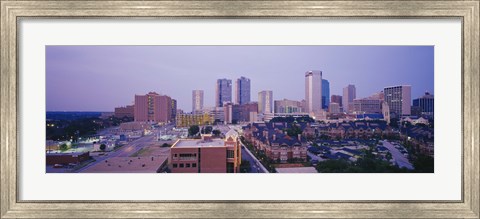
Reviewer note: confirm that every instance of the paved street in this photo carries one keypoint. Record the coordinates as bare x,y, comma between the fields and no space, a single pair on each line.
124,151
400,159
255,168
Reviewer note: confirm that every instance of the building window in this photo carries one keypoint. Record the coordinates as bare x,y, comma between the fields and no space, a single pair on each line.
187,165
175,155
230,154
181,165
188,156
194,165
174,165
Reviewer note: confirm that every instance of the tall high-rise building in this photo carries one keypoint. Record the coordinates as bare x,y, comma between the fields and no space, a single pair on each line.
152,107
425,104
242,90
336,99
325,94
197,101
223,92
349,94
313,91
265,101
398,99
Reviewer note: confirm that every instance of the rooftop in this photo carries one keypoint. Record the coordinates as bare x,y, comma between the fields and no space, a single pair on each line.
195,143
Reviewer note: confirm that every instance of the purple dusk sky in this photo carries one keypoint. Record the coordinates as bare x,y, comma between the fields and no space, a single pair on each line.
99,78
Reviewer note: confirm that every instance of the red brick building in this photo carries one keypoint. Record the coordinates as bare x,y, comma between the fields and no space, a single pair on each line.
66,158
206,155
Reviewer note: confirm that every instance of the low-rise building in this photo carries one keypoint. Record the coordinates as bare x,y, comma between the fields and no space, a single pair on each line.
276,143
124,111
206,155
66,158
187,120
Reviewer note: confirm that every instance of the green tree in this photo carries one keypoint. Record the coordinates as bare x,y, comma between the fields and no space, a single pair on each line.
103,147
245,166
294,131
208,129
193,130
332,166
424,164
216,132
63,147
388,156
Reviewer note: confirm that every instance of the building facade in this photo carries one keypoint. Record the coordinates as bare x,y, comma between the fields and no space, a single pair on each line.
336,99
398,99
272,140
217,113
153,107
197,101
367,105
349,94
425,104
334,108
187,120
174,109
288,106
206,155
242,91
223,92
313,91
325,94
126,111
265,102
228,109
248,112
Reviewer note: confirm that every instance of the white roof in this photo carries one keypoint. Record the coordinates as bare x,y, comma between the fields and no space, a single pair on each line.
195,143
231,133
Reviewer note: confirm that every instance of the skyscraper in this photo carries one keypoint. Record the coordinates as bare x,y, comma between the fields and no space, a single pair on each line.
242,90
398,99
153,107
265,101
223,92
313,91
349,94
325,94
197,101
426,104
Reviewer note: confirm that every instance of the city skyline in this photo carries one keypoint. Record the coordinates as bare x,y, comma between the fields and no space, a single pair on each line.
115,74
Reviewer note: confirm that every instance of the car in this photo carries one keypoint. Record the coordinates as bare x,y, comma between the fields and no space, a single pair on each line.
57,165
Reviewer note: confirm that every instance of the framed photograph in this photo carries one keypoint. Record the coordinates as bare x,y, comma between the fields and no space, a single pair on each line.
252,109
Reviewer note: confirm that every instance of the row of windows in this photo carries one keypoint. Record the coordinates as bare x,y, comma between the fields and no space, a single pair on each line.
185,156
187,165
